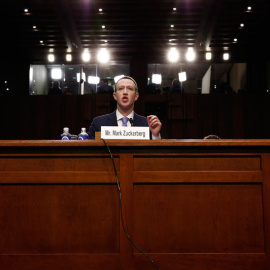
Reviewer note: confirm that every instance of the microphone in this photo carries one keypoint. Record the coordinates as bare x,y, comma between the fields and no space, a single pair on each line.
131,121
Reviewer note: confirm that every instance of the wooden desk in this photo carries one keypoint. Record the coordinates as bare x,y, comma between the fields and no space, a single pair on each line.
189,204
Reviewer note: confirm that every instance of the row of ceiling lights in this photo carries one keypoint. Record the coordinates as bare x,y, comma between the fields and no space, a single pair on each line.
69,57
173,55
241,26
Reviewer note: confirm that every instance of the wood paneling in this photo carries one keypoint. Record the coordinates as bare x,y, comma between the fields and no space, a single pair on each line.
184,116
199,218
185,206
56,219
197,163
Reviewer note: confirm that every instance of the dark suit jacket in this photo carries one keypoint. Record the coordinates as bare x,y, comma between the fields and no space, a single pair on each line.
55,91
110,120
105,88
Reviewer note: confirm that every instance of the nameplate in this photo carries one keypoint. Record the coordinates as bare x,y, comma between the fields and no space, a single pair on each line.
125,133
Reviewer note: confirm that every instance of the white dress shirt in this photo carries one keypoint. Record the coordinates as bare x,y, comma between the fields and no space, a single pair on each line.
119,116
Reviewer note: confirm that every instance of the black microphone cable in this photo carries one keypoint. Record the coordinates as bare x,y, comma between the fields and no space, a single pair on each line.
121,211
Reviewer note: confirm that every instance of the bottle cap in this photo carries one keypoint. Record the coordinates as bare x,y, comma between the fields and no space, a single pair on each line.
66,129
83,129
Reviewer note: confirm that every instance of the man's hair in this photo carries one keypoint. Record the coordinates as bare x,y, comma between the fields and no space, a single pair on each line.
176,83
128,78
56,84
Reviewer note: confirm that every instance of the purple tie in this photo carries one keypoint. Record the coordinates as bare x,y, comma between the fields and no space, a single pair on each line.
124,120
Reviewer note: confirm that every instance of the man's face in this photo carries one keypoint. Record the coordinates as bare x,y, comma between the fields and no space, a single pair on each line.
125,94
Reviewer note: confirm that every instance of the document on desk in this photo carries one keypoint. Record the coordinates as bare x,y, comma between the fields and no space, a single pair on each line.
125,133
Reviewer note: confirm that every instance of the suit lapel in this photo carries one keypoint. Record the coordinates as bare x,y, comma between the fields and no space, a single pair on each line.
112,121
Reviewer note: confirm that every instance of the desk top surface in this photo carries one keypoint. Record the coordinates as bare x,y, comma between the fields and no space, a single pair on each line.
137,143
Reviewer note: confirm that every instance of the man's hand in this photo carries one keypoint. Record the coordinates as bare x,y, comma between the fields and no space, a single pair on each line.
154,125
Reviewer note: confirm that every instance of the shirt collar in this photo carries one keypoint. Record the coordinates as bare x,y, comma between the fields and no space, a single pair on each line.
120,116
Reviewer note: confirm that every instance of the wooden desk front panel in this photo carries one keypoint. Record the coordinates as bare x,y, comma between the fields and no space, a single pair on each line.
58,212
200,205
187,211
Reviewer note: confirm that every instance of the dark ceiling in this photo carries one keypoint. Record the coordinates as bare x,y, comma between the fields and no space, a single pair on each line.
133,28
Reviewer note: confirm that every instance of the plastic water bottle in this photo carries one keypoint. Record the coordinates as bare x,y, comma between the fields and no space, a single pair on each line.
83,135
66,136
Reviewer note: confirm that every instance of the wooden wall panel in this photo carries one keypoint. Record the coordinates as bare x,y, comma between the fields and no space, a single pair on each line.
192,116
207,115
177,115
10,118
55,117
224,116
238,117
253,116
40,118
184,116
176,129
27,115
176,106
71,108
103,103
86,111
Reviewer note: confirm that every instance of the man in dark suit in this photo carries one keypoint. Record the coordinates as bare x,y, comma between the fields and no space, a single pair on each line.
55,90
126,93
105,87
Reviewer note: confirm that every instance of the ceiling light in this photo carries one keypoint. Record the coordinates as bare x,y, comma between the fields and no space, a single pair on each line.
68,57
182,76
51,57
235,39
156,78
41,41
249,8
103,26
34,27
103,56
56,73
242,25
208,56
190,55
173,55
226,56
174,9
100,10
117,78
93,79
26,10
86,56
172,26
